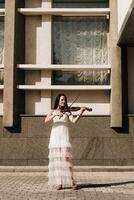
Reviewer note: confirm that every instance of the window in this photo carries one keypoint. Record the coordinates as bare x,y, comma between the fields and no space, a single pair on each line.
2,5
80,40
80,3
1,38
91,77
71,44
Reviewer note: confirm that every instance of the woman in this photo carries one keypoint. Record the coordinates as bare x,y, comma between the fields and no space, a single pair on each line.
60,158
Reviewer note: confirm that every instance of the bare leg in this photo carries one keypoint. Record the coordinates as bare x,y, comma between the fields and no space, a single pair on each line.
74,184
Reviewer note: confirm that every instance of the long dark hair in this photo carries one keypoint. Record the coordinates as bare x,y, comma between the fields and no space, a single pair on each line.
56,104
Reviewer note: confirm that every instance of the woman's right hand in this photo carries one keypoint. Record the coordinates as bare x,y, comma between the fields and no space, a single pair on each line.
82,109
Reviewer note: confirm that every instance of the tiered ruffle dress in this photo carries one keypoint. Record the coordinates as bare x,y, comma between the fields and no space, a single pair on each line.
60,168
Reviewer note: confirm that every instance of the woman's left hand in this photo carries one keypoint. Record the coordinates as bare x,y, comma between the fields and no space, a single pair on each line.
82,109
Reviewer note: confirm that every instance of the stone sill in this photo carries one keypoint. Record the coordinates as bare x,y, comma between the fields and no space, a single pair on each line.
44,115
63,67
64,87
76,168
66,11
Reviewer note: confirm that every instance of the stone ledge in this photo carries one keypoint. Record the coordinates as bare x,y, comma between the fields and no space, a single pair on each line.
76,168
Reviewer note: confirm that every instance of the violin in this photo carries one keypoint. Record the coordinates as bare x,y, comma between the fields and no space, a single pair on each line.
73,109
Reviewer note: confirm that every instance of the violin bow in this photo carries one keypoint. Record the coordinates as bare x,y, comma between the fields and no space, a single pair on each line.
73,102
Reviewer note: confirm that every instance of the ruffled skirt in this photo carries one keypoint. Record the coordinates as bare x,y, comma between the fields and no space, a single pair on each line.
60,168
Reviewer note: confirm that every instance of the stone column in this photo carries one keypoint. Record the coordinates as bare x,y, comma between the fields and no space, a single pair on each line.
14,54
47,58
115,55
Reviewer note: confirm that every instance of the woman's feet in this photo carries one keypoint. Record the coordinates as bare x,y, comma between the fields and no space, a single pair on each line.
58,187
74,185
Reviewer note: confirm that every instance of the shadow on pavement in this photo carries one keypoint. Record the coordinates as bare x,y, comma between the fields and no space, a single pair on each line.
103,184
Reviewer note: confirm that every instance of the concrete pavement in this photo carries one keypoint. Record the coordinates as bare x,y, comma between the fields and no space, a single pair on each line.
91,185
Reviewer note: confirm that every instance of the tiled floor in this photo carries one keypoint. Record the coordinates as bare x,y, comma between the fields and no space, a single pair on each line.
91,185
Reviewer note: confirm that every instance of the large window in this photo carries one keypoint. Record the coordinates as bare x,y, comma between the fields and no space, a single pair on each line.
90,77
1,39
80,3
80,40
2,5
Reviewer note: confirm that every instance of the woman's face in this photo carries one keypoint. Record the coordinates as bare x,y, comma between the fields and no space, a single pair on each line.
62,101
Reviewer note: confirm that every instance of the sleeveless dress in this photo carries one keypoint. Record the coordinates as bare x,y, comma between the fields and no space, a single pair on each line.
60,168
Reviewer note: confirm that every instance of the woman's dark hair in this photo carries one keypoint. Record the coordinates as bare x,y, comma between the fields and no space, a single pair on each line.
56,104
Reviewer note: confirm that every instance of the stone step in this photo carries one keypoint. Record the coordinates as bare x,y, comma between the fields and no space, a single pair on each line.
76,168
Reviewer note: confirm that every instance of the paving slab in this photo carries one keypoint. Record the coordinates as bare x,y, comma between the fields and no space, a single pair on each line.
91,185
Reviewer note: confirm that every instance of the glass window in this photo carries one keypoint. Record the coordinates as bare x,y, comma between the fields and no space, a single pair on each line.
2,3
91,77
80,40
1,39
80,3
1,76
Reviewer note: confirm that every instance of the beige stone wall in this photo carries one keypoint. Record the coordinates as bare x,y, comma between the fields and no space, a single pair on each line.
32,24
97,100
93,142
33,3
38,51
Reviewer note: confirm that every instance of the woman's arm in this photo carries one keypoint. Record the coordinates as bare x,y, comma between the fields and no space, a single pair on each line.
49,117
75,119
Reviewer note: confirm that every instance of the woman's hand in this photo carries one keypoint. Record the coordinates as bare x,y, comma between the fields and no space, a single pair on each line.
51,115
82,109
75,119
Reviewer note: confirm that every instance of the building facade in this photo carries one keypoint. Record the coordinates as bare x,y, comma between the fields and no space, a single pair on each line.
82,48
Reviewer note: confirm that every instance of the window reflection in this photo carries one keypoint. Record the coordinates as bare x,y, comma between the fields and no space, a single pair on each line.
80,40
90,77
80,3
2,3
1,45
1,76
1,40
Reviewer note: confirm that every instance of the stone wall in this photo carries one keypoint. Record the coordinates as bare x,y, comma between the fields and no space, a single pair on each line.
93,141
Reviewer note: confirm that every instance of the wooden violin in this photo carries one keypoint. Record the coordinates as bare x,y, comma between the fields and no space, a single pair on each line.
73,109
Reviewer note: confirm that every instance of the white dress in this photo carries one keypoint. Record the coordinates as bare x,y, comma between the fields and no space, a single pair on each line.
60,157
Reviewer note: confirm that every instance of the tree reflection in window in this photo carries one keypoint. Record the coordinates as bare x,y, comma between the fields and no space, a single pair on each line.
91,77
1,76
1,40
2,3
80,40
80,3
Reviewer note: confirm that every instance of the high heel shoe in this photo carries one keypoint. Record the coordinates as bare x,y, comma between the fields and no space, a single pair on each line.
58,187
74,185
